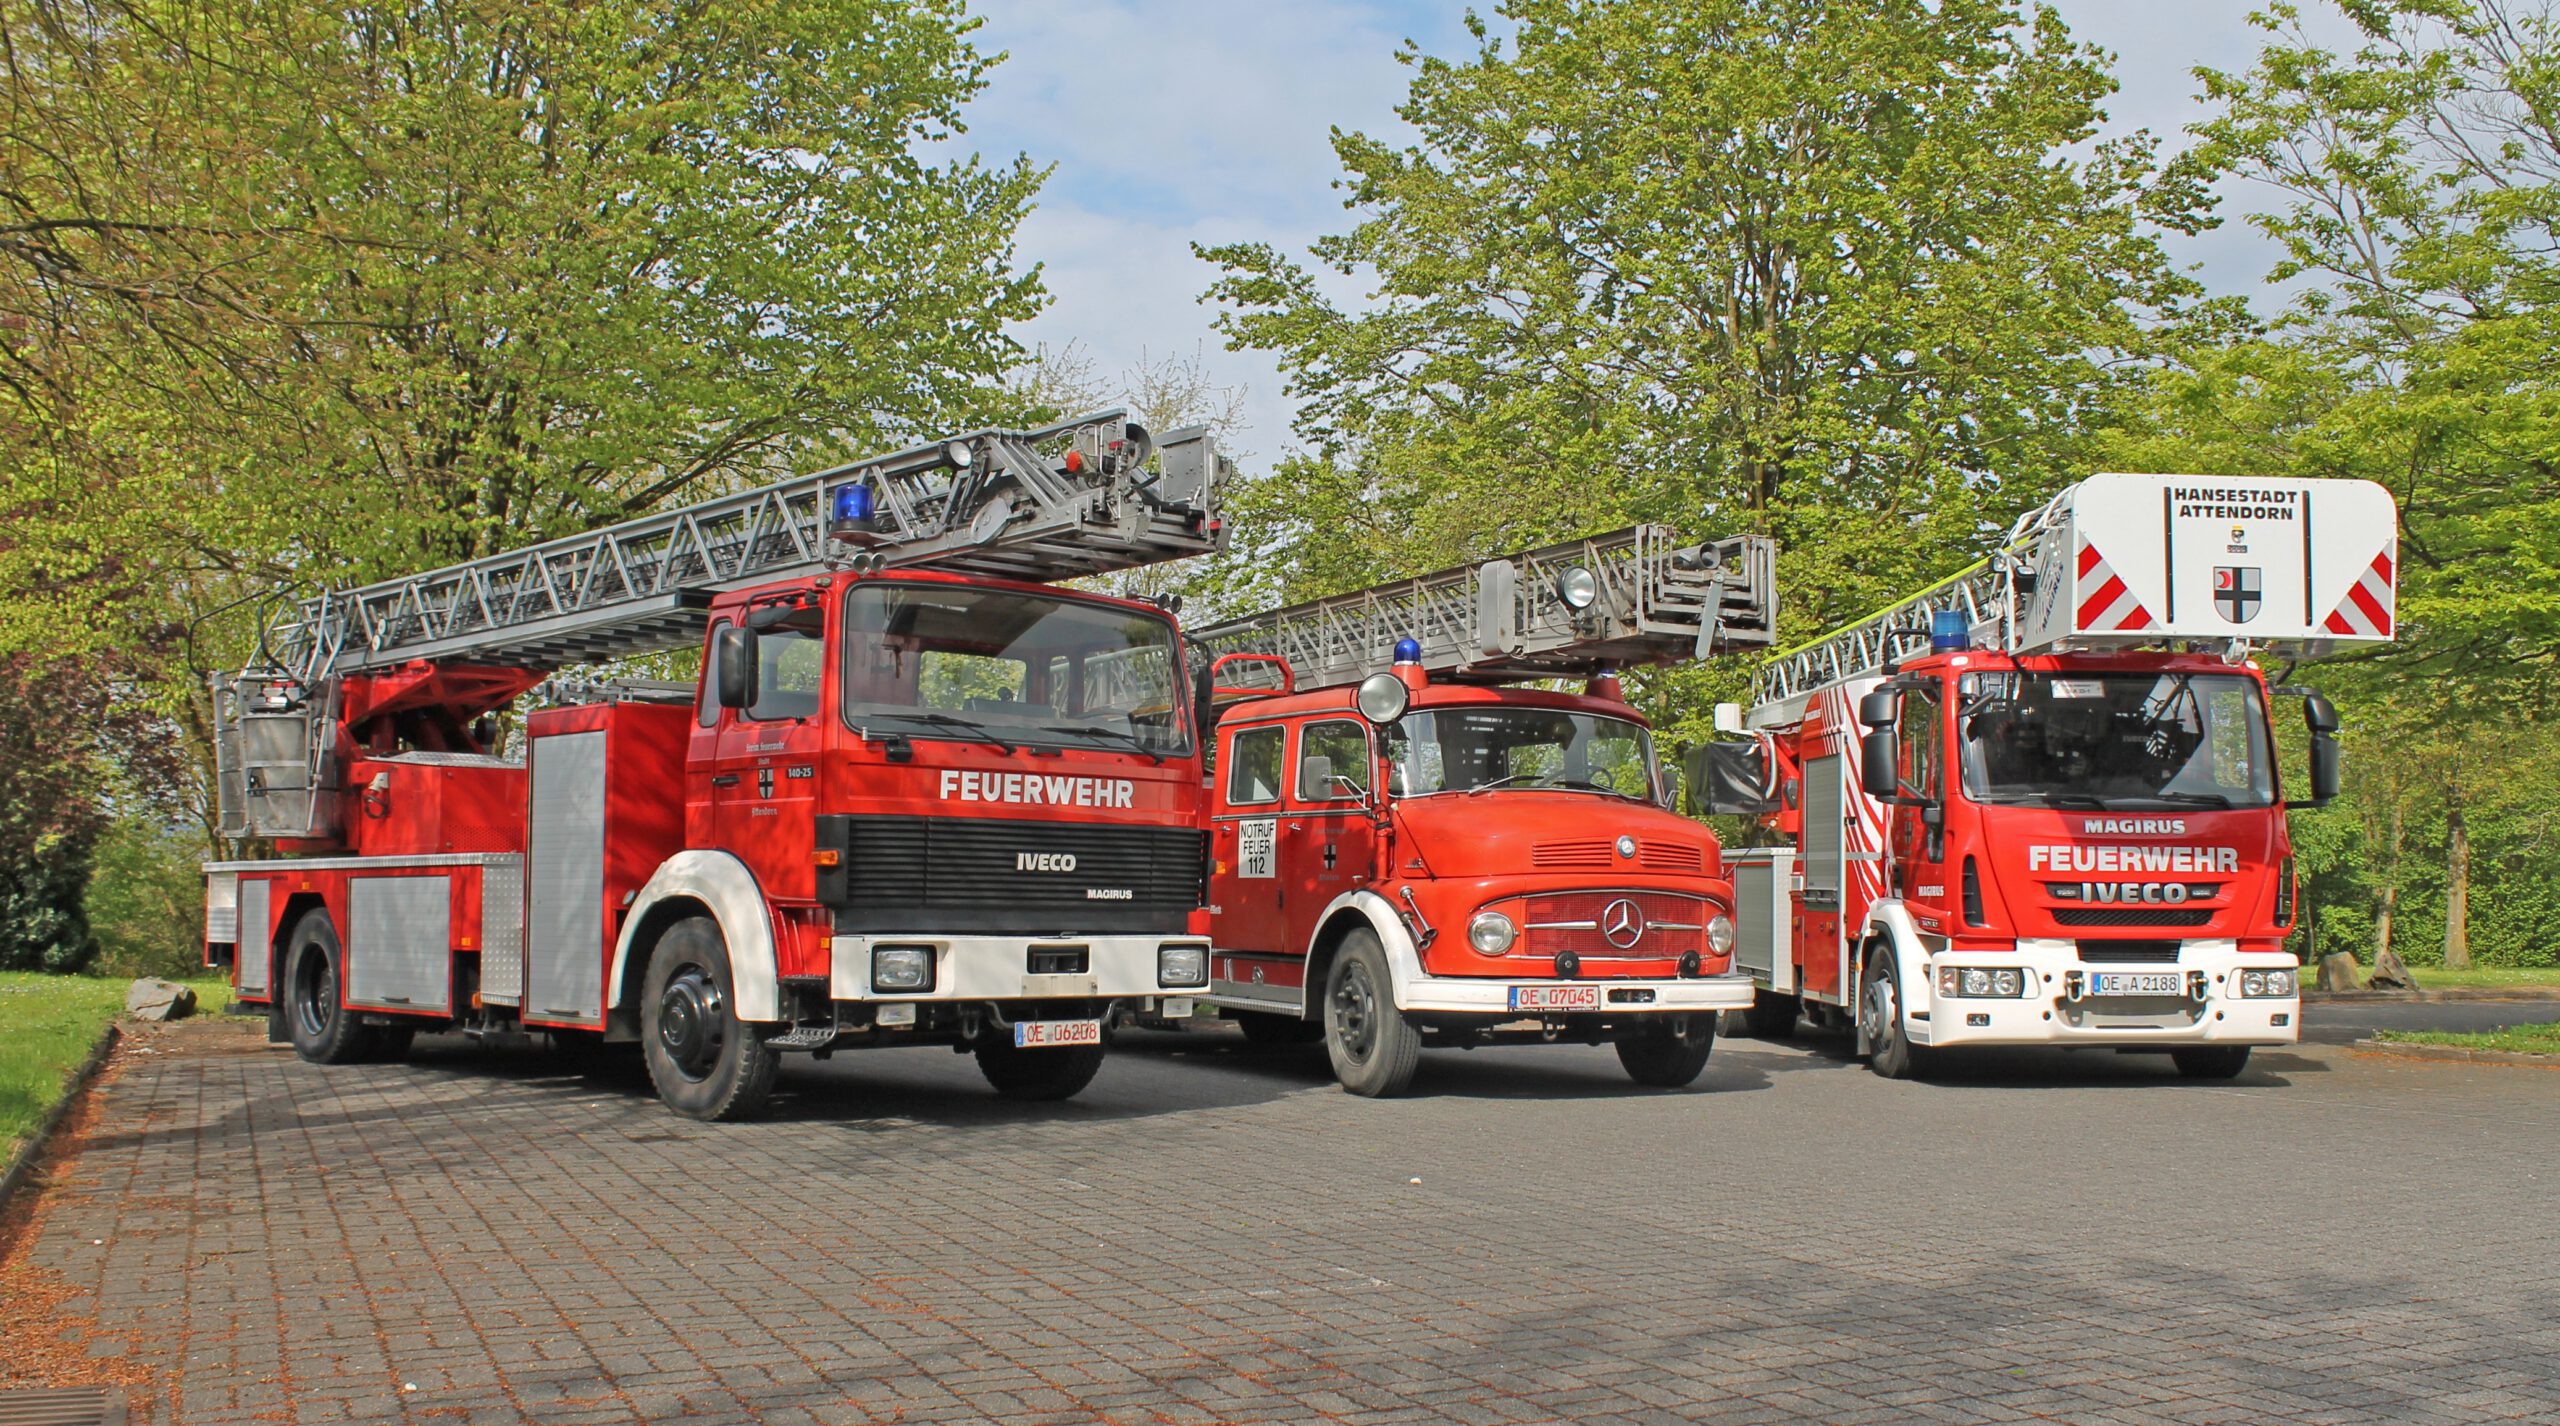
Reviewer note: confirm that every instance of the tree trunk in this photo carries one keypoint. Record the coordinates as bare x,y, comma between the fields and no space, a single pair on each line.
2457,892
2390,890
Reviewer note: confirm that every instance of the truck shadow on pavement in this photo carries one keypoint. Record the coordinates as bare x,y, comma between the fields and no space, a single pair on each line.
1552,1072
2046,1068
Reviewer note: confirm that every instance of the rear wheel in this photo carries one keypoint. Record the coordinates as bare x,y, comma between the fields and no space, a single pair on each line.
1038,1075
1264,1028
1663,1058
1889,1050
1374,1049
706,1062
323,1030
2211,1061
1772,1016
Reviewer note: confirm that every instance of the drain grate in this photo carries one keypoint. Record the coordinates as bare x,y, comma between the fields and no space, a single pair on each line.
77,1406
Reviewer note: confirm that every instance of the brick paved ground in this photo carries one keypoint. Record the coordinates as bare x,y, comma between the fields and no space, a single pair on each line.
1220,1236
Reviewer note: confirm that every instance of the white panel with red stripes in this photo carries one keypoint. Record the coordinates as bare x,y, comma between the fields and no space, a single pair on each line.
2371,601
2107,605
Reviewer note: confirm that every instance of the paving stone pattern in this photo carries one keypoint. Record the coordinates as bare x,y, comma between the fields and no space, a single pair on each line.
1216,1234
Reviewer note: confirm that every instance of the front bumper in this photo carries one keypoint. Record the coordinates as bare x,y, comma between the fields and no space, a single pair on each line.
998,968
1454,995
2051,1015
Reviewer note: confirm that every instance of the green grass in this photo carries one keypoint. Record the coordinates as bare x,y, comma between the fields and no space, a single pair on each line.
2519,1039
2484,978
47,1024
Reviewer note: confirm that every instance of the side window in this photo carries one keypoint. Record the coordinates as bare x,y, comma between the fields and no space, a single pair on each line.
1253,766
1339,750
790,658
1922,741
706,699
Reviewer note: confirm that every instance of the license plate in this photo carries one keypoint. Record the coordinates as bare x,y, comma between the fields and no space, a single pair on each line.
1049,1034
1555,997
2119,982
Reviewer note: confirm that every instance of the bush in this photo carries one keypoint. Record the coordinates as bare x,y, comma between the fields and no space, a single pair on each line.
42,926
146,902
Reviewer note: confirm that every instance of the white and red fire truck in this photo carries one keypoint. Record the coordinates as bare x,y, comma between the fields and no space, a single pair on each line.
918,796
1435,854
2038,803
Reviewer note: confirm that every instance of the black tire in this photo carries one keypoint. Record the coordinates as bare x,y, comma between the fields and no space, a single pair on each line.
2211,1061
1656,1057
1038,1076
323,1030
706,1062
1772,1016
1374,1049
1269,1030
1889,1050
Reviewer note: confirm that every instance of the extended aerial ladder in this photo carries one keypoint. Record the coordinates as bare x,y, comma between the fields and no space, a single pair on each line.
1624,600
1083,496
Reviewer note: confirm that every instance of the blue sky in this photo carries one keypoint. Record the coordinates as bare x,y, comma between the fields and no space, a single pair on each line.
1174,121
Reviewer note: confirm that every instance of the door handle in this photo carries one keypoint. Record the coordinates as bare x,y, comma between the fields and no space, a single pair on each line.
726,779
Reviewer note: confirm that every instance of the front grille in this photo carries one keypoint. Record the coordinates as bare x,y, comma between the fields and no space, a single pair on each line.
1570,856
2129,952
1674,925
2131,916
999,872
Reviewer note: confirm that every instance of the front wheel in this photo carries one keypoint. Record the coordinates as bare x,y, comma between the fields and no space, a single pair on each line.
706,1062
1374,1049
2211,1061
1040,1075
1889,1049
1662,1058
324,1031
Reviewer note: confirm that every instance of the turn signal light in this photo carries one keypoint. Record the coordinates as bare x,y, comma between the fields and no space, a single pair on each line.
827,856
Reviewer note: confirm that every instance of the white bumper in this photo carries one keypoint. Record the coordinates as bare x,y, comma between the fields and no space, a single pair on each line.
1472,996
997,968
2051,1015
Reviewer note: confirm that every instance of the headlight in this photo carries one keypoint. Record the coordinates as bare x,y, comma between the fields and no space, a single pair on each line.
1720,933
1981,982
2266,984
1491,933
902,968
1182,966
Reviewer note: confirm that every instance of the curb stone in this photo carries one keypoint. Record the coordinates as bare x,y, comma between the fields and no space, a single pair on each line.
2462,1053
23,1166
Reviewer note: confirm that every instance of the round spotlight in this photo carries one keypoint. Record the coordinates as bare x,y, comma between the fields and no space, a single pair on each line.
1382,698
1579,588
959,454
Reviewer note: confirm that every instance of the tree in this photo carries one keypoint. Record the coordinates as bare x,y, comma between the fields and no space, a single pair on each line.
1848,272
294,295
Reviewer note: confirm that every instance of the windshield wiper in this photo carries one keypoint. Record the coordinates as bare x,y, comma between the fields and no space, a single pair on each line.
2193,799
1503,782
2088,800
974,730
1135,744
1589,785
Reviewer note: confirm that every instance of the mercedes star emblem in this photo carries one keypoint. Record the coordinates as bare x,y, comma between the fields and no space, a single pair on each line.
1621,923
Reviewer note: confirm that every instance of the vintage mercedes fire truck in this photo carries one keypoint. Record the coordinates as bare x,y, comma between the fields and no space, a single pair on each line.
2038,803
1436,853
919,794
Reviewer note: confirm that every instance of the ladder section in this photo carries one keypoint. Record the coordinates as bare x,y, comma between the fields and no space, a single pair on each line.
1979,592
1079,497
1635,597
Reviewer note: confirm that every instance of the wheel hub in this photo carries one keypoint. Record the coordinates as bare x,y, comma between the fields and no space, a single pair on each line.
1355,1011
1882,1013
689,1028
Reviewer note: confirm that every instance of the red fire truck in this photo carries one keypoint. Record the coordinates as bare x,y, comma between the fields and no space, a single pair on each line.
1435,854
918,795
2037,804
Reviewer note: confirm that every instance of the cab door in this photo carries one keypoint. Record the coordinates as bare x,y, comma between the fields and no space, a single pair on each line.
1247,894
1919,840
764,779
1327,842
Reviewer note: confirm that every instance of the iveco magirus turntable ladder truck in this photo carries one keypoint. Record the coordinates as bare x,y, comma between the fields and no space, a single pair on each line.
2038,803
1410,845
920,795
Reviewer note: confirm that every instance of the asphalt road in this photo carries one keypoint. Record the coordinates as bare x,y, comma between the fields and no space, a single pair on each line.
2344,1022
1214,1233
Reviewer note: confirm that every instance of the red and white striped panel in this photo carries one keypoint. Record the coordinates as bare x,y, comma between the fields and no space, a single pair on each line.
2106,605
2367,609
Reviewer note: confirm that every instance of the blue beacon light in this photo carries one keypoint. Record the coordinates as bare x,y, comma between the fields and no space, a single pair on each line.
1948,632
1408,651
853,504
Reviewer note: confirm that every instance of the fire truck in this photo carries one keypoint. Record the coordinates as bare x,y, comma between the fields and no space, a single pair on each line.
1439,853
2037,803
918,794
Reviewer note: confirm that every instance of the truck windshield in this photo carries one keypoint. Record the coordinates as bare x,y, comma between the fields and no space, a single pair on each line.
1482,749
2115,740
1001,666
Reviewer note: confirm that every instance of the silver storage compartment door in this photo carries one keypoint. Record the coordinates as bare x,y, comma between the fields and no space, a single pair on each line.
257,941
502,930
564,881
1763,929
1822,831
400,942
221,908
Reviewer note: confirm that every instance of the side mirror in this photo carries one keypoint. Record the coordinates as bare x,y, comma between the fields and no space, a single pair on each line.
1666,790
2324,769
1315,778
2319,714
1729,719
1877,709
733,651
1877,773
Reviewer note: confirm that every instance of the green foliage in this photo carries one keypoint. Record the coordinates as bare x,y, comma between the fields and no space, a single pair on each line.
49,819
1849,272
146,901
